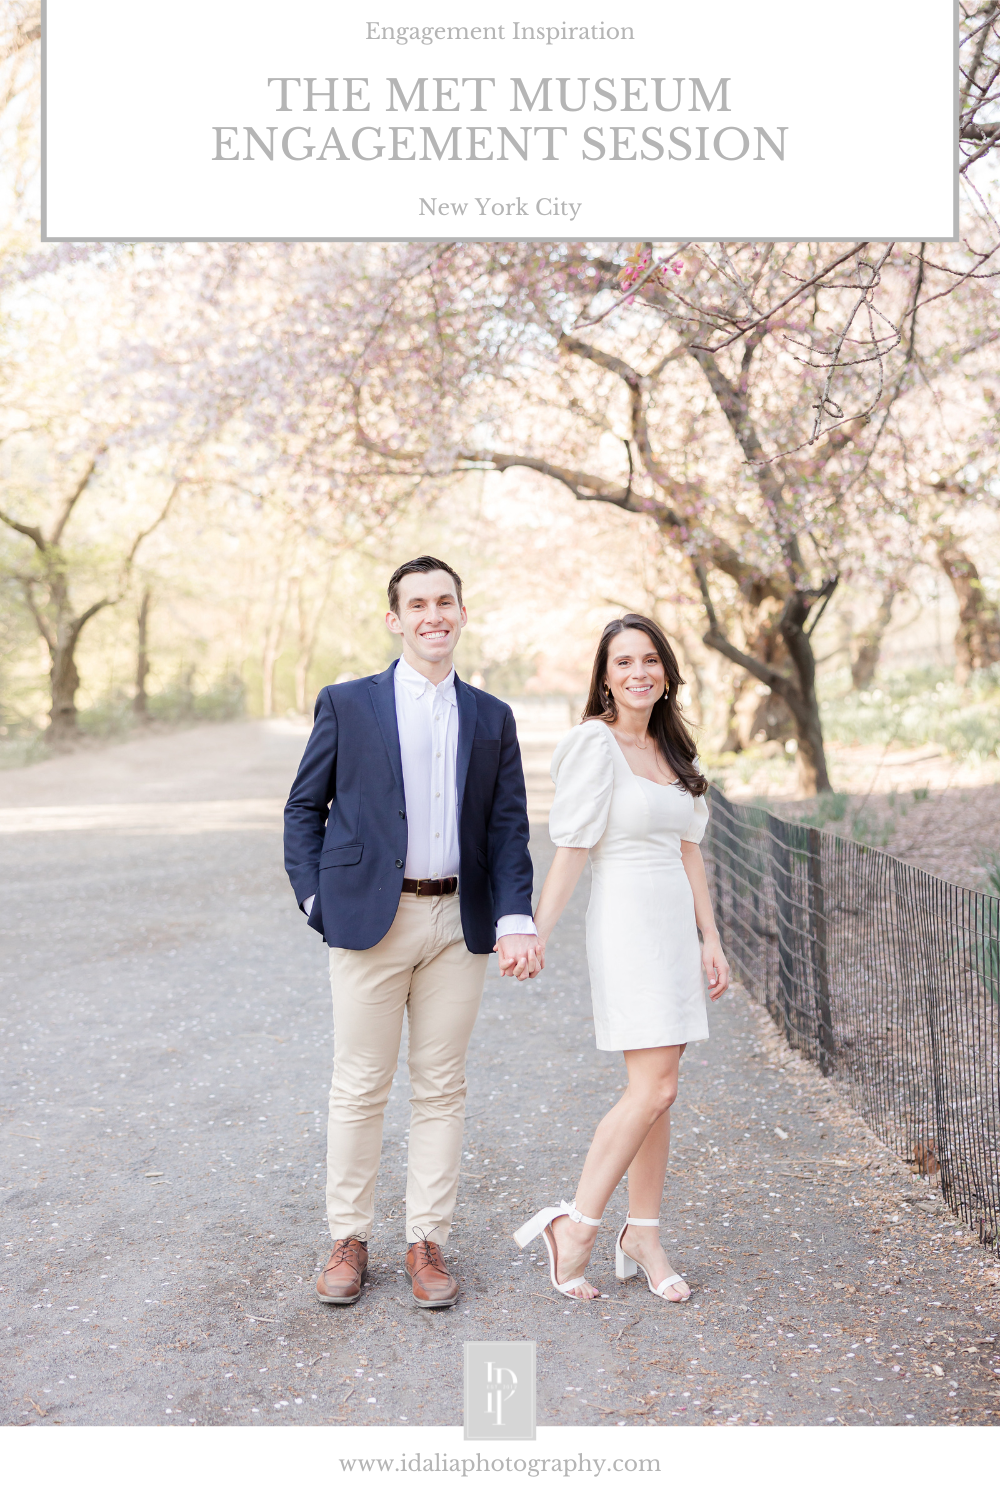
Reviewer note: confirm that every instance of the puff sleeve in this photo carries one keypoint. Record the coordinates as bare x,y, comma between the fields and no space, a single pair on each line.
583,772
695,831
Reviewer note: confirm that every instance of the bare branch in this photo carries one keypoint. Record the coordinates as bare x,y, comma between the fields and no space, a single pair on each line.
793,296
28,586
88,614
33,533
130,556
599,357
719,641
72,498
581,485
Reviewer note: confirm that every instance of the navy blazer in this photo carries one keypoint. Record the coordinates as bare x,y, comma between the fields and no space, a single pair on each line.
345,819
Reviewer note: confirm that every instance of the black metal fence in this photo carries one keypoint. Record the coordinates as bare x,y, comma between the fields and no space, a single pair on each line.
885,976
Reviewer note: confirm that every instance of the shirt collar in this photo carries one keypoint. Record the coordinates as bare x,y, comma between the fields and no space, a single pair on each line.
416,684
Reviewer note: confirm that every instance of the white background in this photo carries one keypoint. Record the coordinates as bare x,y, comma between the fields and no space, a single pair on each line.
134,89
706,1463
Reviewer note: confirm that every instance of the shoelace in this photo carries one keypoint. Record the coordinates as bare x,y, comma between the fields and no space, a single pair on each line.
341,1252
423,1256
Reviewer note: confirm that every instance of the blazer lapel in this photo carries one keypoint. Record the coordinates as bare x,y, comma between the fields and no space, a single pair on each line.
467,716
383,692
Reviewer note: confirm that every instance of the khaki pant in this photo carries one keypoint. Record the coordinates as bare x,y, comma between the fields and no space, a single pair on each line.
423,966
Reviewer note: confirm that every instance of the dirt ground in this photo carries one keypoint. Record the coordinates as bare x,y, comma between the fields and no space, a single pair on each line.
166,1045
919,804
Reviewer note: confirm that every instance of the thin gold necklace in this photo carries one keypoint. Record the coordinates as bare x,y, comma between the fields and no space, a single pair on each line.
636,746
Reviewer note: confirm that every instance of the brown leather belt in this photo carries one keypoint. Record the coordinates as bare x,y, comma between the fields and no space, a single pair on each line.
446,887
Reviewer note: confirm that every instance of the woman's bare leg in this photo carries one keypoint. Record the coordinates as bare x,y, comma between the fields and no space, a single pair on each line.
646,1177
652,1088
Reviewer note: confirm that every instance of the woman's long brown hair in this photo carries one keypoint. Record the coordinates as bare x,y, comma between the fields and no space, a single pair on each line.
666,722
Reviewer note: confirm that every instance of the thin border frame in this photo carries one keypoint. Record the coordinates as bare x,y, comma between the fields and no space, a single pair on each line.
207,239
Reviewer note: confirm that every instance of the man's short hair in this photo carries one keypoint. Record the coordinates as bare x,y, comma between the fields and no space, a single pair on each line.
420,565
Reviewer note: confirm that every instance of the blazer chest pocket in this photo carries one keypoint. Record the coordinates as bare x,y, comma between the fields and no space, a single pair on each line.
343,854
485,760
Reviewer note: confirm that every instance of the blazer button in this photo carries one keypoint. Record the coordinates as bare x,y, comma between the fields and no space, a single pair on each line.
402,813
399,864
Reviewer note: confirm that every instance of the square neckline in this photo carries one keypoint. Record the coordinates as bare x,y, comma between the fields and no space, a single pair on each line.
634,774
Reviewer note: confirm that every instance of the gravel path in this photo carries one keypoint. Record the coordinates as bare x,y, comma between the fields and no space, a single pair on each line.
166,1046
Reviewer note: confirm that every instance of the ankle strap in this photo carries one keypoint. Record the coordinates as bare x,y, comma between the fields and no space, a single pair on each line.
575,1214
645,1223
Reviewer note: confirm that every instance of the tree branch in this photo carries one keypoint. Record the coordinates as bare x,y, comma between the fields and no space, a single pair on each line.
581,485
611,362
77,624
28,586
130,557
990,133
72,498
658,299
33,533
715,637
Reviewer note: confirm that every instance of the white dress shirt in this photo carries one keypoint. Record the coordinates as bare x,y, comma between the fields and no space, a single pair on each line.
427,720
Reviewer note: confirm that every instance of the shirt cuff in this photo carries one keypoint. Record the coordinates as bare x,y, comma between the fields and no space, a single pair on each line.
307,904
516,927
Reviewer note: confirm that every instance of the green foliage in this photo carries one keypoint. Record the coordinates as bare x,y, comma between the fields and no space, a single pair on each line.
830,808
866,827
983,952
919,706
113,717
862,824
989,863
22,749
224,699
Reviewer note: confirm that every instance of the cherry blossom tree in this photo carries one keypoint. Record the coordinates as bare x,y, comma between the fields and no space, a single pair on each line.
750,399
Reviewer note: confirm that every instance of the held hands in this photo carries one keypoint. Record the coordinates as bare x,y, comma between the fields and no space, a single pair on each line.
521,956
716,966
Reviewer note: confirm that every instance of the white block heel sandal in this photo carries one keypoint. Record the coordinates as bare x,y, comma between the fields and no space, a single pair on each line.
538,1226
625,1266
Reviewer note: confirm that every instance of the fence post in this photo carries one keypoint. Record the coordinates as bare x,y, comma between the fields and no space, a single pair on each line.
783,911
718,817
817,943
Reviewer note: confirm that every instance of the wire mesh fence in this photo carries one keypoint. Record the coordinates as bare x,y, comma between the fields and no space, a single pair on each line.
882,974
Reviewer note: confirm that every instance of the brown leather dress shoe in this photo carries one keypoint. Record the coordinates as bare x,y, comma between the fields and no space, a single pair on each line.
341,1280
432,1283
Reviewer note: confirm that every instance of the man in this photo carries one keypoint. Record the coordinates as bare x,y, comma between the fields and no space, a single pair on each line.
406,843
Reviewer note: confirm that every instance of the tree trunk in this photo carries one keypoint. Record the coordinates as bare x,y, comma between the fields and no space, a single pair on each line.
801,699
308,634
811,754
762,715
65,680
303,660
140,704
272,644
977,640
866,660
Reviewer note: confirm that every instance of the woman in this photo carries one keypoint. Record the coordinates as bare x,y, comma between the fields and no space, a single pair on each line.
629,793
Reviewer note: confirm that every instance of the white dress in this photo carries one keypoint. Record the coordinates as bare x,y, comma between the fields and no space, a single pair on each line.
642,938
